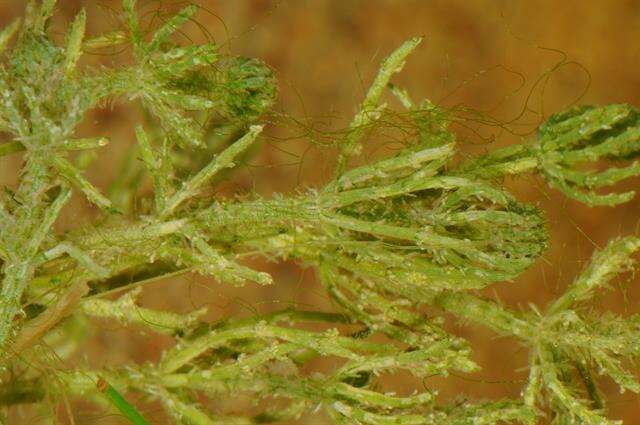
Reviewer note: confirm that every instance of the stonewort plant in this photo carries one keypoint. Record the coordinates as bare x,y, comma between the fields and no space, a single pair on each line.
400,244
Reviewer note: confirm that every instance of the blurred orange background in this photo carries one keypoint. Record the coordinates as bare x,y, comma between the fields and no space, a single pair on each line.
517,61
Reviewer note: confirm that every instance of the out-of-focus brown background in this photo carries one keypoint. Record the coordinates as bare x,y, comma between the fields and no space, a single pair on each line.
495,56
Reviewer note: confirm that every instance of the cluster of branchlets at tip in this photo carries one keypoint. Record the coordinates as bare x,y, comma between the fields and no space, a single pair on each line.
389,240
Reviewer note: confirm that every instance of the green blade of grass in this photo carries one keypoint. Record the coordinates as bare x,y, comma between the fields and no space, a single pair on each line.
128,410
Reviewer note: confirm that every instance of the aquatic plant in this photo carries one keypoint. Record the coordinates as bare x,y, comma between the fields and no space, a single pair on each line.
397,243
